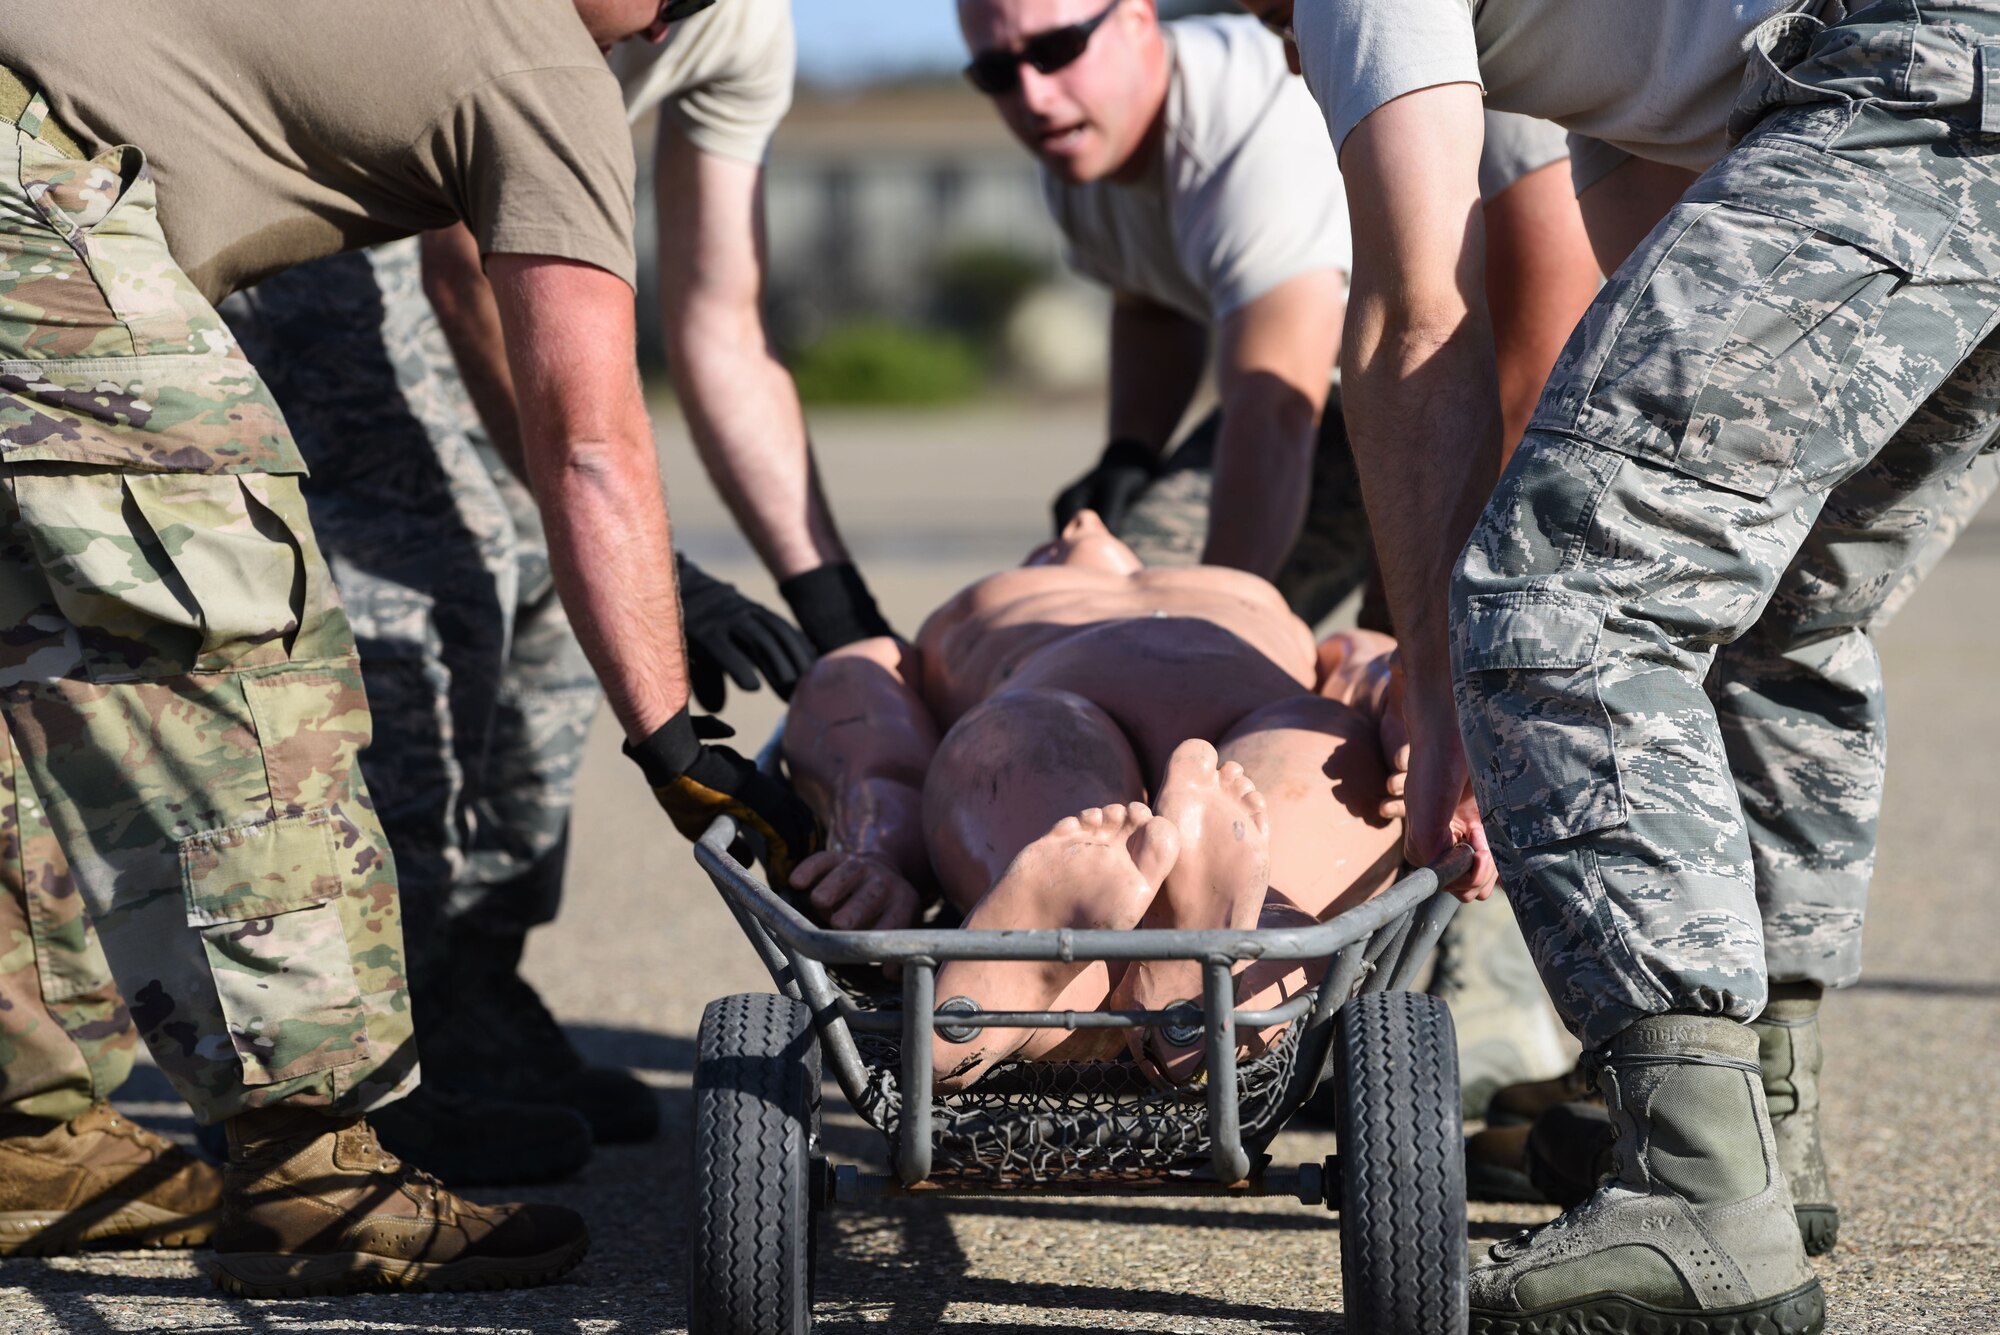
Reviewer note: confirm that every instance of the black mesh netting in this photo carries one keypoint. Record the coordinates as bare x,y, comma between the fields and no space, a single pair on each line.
1065,1121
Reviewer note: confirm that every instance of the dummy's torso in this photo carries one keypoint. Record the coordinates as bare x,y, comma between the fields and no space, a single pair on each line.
975,644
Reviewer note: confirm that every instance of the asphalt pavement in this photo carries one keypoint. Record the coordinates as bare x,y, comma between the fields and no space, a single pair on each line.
930,501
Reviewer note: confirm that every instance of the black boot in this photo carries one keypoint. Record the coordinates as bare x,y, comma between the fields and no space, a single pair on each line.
466,1140
493,1037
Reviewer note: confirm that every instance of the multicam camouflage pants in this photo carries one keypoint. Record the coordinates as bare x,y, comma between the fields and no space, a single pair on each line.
1764,432
178,680
481,693
1168,525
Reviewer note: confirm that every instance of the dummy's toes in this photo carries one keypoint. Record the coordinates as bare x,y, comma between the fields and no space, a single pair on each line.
1155,846
1196,752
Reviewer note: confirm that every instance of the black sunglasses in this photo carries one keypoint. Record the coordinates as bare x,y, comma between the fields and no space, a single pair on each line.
675,10
997,72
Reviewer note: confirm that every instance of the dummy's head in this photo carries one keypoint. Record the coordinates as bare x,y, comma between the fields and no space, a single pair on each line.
612,21
1085,544
1083,98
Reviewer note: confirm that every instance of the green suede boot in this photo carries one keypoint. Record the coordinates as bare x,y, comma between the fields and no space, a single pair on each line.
1788,1049
1692,1232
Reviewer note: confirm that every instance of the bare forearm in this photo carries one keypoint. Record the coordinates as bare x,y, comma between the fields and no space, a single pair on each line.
1157,356
1423,413
744,413
1263,479
455,282
612,556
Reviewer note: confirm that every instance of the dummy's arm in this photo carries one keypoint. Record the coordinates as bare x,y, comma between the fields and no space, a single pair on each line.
1273,361
740,402
1423,411
1540,275
859,740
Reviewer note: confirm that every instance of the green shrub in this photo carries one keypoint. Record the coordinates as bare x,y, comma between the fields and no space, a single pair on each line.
881,362
974,289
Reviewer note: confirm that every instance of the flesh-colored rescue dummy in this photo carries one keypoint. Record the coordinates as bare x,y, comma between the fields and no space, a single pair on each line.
1084,742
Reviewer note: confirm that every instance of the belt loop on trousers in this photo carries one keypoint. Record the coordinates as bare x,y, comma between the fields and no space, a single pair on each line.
1989,87
28,108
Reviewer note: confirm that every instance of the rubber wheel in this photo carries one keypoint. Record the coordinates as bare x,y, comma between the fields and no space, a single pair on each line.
756,1151
1402,1166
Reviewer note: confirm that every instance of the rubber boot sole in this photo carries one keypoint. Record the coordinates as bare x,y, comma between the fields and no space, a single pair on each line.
1819,1227
132,1224
279,1275
1800,1312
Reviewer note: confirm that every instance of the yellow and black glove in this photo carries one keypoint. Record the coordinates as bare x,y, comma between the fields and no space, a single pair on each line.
697,783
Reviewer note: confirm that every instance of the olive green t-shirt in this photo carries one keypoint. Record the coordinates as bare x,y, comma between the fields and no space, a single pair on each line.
280,131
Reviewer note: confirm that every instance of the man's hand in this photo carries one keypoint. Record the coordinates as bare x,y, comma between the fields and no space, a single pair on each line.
696,783
1120,477
729,634
1436,793
855,892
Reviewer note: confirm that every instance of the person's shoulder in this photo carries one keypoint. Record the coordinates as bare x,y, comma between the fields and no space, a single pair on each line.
1228,69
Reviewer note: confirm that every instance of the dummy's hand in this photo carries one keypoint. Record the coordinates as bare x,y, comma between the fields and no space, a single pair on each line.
1436,790
729,634
856,892
1123,472
696,783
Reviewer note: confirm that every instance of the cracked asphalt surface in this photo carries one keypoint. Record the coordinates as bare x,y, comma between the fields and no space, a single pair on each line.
929,501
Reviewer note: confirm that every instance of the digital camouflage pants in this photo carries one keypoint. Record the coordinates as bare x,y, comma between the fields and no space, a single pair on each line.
179,684
1765,431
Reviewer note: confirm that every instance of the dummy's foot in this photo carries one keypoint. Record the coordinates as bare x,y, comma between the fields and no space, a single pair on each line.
1097,870
1218,881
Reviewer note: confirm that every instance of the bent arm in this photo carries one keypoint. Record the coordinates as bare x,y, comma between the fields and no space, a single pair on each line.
1540,275
1157,356
1274,359
859,740
1423,411
741,404
1625,203
588,447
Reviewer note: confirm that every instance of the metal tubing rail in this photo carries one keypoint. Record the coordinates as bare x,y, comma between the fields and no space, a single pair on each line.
800,936
891,1022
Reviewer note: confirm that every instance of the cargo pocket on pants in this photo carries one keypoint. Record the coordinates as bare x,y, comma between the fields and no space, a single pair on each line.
1538,737
265,899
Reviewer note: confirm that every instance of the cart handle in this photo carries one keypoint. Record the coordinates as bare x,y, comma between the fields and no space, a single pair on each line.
802,936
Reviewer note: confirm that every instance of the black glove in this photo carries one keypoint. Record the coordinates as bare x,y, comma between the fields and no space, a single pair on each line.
833,606
1123,472
697,783
727,633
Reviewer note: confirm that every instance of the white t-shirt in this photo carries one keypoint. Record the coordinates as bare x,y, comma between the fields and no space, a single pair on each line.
722,78
1651,78
1246,191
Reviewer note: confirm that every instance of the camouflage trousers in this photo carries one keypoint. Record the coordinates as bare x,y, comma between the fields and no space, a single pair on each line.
1764,432
1168,524
178,681
482,695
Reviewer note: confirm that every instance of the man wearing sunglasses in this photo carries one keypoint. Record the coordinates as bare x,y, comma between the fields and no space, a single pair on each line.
1190,174
180,687
1761,435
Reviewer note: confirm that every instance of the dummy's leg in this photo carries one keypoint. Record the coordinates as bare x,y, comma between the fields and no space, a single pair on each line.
1098,870
1003,776
1318,775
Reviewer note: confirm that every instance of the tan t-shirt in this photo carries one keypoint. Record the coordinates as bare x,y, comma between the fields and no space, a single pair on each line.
280,131
722,78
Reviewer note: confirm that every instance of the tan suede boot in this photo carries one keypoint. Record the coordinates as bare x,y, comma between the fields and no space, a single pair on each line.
316,1206
99,1180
